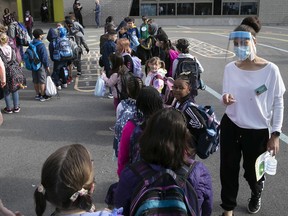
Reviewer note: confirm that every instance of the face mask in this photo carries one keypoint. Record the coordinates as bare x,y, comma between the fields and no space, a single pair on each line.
242,52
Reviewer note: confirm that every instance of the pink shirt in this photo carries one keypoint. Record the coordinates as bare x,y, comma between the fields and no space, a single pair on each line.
123,154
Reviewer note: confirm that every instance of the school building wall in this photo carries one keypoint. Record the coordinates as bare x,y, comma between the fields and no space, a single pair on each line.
270,13
274,12
116,8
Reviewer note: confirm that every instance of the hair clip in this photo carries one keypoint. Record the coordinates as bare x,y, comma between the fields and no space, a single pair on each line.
76,194
41,189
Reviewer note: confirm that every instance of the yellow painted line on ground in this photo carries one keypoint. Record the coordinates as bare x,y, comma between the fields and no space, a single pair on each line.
78,89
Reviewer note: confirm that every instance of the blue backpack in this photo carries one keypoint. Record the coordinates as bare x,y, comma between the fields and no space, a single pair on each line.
31,58
62,49
163,192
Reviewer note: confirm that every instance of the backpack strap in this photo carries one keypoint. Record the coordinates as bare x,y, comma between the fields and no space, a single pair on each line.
4,58
157,76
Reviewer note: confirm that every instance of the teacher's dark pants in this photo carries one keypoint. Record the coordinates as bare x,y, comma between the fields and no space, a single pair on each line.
235,142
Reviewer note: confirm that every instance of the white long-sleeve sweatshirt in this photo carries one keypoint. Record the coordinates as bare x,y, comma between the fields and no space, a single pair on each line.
252,110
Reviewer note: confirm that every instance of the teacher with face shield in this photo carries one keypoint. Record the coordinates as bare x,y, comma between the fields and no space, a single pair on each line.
253,95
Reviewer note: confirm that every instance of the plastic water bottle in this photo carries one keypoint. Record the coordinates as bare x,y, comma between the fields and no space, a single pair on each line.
271,164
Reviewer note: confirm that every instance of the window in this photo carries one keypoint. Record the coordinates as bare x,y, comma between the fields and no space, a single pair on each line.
248,8
167,9
194,7
203,9
185,9
231,8
149,9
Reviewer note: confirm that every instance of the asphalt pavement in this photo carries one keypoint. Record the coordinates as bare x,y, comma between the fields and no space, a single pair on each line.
77,116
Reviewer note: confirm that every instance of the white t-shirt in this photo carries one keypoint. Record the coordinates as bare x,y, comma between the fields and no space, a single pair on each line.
252,110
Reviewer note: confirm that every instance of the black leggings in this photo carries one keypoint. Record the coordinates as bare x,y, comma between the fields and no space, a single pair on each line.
235,142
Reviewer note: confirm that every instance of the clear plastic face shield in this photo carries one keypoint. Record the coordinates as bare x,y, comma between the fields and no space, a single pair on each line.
243,45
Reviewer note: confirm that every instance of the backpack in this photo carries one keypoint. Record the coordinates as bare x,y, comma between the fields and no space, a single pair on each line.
62,49
190,67
128,112
134,149
167,93
163,192
22,36
77,50
14,75
31,58
173,54
137,66
207,137
123,94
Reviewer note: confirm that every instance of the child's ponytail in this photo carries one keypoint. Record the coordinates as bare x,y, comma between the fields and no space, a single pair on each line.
40,200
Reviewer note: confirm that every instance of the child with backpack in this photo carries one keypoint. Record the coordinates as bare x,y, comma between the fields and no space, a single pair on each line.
11,93
156,74
76,29
148,102
196,123
132,62
166,153
167,52
126,109
118,69
61,53
39,76
185,62
108,48
69,190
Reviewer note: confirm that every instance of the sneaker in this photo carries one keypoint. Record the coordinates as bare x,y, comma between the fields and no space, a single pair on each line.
79,73
59,88
112,128
87,50
16,110
37,97
8,111
42,98
110,96
47,97
254,204
64,85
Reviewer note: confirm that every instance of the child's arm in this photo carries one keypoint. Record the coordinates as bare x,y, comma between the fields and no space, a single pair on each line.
6,212
2,74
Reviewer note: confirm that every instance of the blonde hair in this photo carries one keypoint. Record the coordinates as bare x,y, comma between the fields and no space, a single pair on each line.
155,60
123,45
3,38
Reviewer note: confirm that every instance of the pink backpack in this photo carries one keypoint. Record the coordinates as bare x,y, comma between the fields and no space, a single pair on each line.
173,54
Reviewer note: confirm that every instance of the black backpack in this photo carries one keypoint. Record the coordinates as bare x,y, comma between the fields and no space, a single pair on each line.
163,192
190,68
207,137
123,94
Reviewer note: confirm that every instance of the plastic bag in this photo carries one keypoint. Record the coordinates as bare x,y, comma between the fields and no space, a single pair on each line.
50,87
100,88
